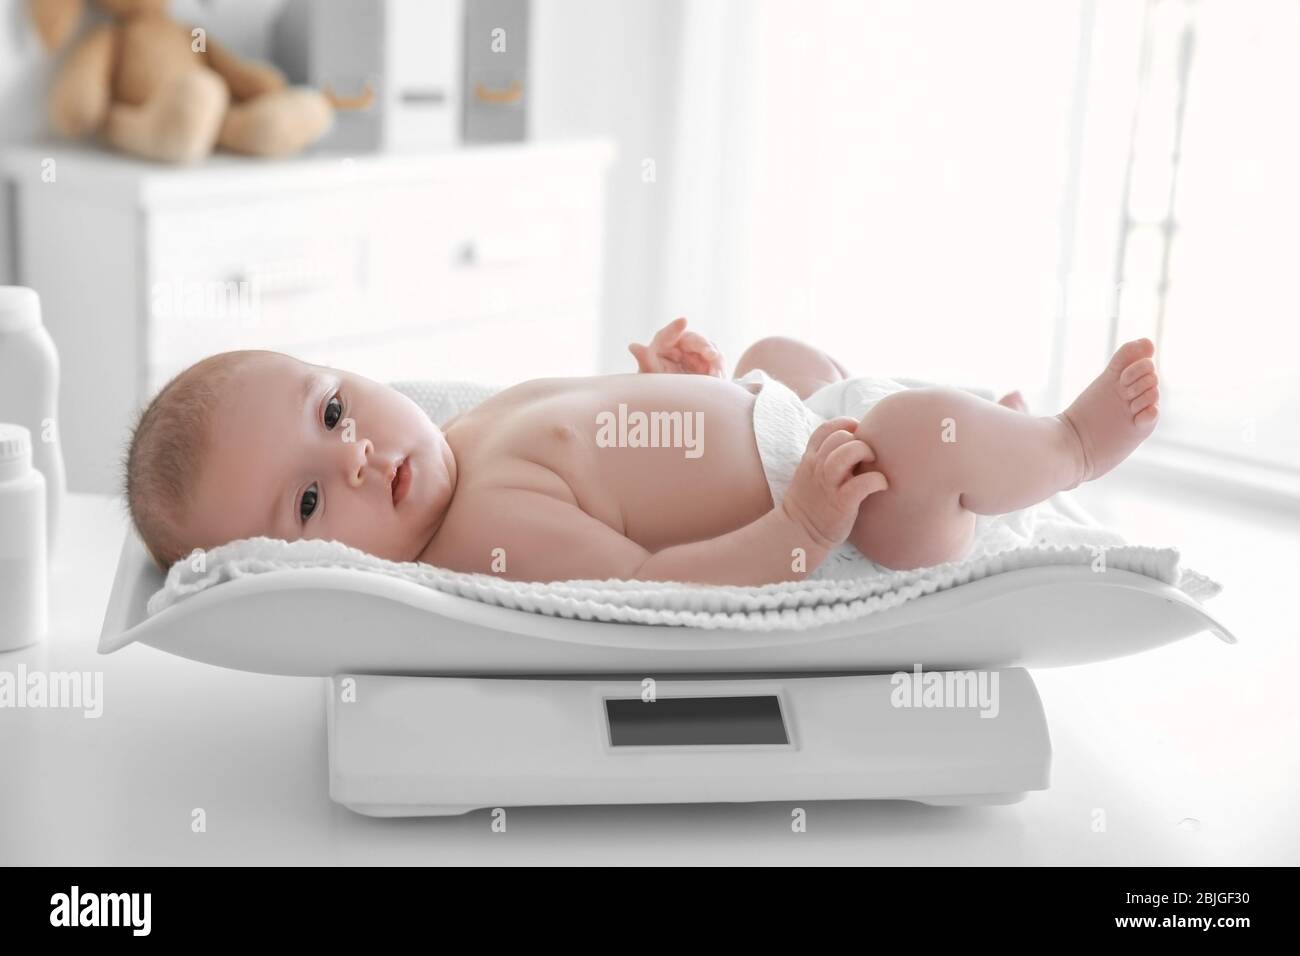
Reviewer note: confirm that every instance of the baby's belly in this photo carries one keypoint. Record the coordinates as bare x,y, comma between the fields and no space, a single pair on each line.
662,459
665,499
671,472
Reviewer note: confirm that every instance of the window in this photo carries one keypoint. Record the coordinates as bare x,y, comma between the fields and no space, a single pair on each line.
884,180
1209,249
997,194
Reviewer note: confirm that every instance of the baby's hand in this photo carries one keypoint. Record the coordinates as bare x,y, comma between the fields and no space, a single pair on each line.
826,492
674,349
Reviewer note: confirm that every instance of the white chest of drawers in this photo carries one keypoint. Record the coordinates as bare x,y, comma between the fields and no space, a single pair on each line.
482,263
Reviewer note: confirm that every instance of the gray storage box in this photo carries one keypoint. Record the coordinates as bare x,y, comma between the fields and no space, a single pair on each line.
496,71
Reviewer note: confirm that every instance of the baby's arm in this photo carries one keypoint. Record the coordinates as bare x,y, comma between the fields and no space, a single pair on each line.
542,538
545,539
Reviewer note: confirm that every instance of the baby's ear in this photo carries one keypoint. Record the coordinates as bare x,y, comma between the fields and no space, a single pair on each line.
55,20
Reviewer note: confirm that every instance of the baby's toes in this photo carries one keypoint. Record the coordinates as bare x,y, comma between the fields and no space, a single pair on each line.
1136,388
1147,416
1130,353
1135,370
1144,401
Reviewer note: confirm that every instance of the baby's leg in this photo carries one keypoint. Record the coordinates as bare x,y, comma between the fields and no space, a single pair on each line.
949,455
801,368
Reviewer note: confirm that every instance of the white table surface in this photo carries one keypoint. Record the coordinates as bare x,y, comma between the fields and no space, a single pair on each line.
1199,731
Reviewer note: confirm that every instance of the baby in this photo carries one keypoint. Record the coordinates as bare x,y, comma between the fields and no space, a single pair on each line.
558,479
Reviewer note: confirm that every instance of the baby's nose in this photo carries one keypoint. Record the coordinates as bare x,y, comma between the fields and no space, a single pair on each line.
356,462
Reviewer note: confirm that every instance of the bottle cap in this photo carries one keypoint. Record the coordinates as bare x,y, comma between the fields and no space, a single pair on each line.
20,308
15,451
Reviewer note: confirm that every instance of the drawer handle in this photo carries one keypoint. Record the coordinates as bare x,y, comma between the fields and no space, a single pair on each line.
507,249
467,255
362,101
427,97
502,97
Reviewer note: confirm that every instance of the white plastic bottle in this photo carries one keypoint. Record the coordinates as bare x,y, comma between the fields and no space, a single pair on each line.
23,598
29,391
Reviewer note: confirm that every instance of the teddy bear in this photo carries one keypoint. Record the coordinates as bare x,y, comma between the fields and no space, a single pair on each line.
162,91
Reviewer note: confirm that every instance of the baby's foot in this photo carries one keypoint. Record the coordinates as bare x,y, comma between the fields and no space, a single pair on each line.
1015,401
1118,410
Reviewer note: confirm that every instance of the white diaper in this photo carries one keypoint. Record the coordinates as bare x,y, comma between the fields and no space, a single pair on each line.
783,423
851,396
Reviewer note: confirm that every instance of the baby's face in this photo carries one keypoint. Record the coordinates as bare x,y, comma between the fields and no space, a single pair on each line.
303,451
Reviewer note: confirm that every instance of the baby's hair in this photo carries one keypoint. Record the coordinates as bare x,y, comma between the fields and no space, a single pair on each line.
162,463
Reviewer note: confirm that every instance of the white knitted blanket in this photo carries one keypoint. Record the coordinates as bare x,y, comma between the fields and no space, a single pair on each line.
791,604
1052,533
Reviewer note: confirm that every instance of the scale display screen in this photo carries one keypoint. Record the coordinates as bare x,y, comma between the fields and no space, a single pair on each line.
695,721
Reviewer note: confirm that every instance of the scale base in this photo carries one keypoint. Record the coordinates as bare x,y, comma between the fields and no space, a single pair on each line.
442,746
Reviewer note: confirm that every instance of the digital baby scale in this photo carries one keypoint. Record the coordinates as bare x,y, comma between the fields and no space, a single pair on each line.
438,703
404,746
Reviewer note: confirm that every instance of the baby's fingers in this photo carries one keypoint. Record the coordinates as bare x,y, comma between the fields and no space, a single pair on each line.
644,361
828,428
858,488
701,354
671,332
695,342
841,460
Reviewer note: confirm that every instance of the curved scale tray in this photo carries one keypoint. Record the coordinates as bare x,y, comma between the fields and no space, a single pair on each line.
324,621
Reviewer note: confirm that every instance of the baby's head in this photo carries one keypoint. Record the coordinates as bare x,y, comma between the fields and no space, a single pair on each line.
254,443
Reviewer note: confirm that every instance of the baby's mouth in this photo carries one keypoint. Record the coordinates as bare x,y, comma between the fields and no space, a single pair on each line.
401,480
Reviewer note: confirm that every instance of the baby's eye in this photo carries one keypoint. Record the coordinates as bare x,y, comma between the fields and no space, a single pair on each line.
307,507
333,412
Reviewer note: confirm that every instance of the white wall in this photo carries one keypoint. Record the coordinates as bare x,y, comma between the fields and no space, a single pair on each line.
608,68
598,67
